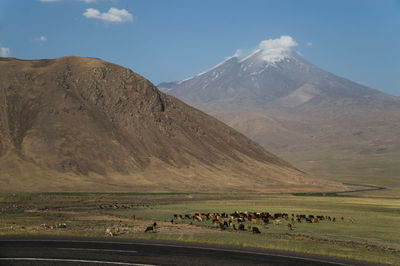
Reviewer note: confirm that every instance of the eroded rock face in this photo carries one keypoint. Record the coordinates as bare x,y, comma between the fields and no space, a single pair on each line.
84,124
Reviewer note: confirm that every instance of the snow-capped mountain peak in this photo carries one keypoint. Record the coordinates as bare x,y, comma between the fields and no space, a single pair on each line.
275,55
272,72
268,57
276,50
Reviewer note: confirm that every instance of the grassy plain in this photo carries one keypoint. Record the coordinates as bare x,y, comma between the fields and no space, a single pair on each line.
374,236
378,170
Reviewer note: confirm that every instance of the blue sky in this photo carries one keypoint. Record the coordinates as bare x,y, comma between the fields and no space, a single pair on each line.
167,40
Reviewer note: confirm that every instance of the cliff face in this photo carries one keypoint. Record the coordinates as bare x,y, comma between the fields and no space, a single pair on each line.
82,124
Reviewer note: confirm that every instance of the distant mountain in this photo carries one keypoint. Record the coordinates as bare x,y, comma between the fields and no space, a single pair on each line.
255,83
82,124
323,123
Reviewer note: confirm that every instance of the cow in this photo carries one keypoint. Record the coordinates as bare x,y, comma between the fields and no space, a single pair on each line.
221,226
149,228
109,232
290,226
277,222
112,231
215,221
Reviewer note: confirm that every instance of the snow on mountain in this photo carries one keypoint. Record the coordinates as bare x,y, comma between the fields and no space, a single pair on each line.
271,72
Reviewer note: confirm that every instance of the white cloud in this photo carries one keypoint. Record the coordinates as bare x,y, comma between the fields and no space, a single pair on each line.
42,38
113,15
4,51
309,44
274,50
284,42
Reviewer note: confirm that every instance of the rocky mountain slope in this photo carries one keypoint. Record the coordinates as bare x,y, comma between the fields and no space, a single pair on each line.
325,124
82,124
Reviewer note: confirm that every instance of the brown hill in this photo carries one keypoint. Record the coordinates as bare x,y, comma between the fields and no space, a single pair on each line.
82,124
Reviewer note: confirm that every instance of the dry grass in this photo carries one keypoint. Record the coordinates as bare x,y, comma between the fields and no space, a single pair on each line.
373,235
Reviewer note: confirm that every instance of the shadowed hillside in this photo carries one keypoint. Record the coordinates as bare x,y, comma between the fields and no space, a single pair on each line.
82,124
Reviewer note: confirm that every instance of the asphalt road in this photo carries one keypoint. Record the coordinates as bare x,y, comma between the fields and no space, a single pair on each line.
81,251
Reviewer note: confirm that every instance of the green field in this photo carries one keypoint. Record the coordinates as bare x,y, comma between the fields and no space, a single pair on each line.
374,236
379,170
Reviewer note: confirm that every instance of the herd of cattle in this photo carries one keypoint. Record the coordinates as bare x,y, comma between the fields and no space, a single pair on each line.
224,221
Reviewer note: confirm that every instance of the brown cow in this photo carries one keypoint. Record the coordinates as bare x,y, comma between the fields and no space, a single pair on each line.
291,225
109,232
276,222
216,222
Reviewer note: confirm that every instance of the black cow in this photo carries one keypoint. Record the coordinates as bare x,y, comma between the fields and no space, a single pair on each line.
255,230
